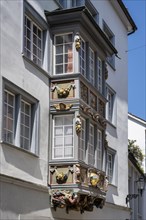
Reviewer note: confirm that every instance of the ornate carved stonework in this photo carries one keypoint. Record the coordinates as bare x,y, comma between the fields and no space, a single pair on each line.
77,42
62,90
62,107
71,200
61,175
78,125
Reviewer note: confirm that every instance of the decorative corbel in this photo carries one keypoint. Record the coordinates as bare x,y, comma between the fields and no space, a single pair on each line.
61,106
96,116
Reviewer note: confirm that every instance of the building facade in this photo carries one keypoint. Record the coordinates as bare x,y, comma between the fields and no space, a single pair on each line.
137,131
63,133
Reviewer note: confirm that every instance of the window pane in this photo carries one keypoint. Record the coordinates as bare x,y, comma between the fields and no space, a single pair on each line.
58,153
59,49
68,141
68,130
59,59
58,131
59,121
58,142
59,39
68,152
59,69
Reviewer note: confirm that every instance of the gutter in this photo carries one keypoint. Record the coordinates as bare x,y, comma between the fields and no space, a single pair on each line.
131,21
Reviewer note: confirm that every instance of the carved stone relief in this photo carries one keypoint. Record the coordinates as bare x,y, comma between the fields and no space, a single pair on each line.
63,90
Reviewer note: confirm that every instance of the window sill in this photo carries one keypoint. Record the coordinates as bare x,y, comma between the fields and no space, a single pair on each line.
111,124
35,65
18,148
112,66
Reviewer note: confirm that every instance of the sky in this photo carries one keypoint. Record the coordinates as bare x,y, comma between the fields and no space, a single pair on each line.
137,59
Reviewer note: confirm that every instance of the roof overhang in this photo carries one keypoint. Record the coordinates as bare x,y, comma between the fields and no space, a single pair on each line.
124,15
81,16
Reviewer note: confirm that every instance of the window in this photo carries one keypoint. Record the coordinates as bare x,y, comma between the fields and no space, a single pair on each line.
82,57
111,37
91,66
9,106
63,137
82,139
20,123
99,75
76,3
99,149
91,145
110,165
63,54
33,35
110,104
25,124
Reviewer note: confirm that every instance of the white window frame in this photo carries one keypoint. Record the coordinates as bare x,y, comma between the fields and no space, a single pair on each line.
99,74
35,57
110,165
23,136
20,95
63,54
82,58
109,34
99,149
5,128
91,155
91,66
82,139
63,137
110,108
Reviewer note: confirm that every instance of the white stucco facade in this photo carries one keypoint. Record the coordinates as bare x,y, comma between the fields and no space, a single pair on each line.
24,190
137,131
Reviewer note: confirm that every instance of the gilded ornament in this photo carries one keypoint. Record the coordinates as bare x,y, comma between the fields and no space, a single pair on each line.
77,42
62,106
78,124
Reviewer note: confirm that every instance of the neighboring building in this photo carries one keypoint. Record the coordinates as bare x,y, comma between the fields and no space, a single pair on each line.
60,144
137,131
135,198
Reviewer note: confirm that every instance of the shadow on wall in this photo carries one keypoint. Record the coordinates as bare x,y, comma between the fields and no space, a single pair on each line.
22,161
21,200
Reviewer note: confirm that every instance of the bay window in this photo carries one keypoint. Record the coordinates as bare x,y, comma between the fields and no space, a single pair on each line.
99,74
91,66
91,145
63,144
82,140
63,53
99,149
82,58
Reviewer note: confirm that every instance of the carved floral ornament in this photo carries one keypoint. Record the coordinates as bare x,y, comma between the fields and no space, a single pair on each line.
94,115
